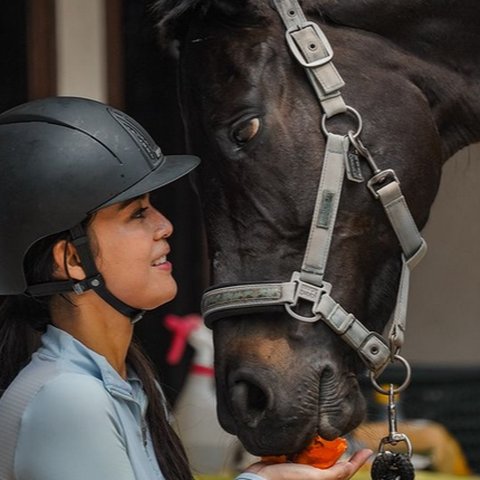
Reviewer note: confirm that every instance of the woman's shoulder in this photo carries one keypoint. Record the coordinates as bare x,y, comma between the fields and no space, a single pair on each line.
44,387
72,426
70,402
47,404
71,392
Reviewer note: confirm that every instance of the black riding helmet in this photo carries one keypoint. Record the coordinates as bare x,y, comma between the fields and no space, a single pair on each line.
61,159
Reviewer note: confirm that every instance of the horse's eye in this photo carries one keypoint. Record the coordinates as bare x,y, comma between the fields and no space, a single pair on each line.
245,131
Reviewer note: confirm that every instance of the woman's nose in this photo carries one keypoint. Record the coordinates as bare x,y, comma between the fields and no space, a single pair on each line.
163,227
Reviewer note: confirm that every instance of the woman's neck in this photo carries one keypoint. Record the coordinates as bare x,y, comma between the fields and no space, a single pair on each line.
97,325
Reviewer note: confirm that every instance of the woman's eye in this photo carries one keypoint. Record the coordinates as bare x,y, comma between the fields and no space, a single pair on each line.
245,131
140,212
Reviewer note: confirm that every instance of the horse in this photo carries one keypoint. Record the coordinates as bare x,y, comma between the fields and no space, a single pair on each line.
412,68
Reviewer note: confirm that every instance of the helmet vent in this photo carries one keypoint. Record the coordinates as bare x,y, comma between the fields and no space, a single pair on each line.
141,138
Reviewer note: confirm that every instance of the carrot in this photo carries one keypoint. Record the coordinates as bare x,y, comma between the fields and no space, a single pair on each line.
320,453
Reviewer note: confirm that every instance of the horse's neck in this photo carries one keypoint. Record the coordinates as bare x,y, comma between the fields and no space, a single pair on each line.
444,36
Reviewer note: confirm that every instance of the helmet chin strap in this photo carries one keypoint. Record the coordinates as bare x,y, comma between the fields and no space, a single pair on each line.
93,281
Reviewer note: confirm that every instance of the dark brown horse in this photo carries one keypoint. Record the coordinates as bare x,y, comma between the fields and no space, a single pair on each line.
412,68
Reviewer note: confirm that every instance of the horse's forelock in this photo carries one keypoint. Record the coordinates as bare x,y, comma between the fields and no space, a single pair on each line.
173,15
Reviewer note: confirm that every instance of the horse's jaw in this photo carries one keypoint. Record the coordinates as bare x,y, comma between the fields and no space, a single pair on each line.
277,400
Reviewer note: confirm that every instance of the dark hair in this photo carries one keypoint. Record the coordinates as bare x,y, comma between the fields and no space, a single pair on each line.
22,321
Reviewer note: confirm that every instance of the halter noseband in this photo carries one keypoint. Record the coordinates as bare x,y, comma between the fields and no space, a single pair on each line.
312,50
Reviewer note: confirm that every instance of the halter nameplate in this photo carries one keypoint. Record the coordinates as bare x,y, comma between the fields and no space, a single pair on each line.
310,47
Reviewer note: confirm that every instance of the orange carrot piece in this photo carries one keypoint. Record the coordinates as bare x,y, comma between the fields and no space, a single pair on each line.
320,453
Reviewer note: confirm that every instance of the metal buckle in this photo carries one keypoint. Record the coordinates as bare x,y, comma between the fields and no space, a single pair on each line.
83,285
79,288
297,52
381,177
137,317
309,292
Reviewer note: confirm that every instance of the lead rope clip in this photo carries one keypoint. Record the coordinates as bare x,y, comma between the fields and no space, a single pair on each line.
390,465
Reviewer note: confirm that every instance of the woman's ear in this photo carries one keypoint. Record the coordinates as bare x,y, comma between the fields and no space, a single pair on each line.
67,261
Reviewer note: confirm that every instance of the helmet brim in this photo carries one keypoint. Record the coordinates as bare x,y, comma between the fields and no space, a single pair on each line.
170,169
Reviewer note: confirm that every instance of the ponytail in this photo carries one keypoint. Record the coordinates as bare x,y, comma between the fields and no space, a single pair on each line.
18,340
169,451
22,318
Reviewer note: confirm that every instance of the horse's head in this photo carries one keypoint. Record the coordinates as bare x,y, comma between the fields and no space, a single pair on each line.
252,117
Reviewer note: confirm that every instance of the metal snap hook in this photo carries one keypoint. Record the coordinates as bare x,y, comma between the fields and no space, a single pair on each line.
363,151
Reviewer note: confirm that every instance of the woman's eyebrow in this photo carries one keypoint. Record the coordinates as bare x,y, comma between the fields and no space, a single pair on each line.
126,203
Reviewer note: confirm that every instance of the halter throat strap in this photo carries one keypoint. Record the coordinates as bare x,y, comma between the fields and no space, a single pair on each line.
93,281
343,154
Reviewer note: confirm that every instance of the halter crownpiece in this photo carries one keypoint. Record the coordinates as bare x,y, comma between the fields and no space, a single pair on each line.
312,50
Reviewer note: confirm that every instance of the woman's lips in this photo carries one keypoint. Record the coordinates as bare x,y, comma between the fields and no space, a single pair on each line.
167,266
162,263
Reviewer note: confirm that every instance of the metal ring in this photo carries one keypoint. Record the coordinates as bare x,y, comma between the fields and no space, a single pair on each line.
313,319
402,387
350,110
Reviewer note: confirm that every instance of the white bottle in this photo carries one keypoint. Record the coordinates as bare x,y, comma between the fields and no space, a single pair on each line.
209,448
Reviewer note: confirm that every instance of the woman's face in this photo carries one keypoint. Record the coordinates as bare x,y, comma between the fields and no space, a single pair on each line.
131,253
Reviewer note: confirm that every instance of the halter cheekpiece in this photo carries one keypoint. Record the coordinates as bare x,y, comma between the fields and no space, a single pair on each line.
343,155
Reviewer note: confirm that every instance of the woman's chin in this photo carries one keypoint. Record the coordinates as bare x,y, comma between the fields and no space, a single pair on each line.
149,298
165,296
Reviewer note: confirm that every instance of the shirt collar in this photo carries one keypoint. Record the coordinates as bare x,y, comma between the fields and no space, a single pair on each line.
59,344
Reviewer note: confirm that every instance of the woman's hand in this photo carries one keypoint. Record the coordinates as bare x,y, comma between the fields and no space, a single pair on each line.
295,471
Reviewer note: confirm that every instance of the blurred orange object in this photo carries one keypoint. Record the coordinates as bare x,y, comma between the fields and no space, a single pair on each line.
320,453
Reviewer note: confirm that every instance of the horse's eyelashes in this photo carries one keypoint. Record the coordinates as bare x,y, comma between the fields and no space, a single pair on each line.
244,131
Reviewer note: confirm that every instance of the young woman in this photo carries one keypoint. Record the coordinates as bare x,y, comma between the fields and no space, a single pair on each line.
83,254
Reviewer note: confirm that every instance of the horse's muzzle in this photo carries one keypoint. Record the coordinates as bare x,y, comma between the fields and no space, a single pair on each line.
273,415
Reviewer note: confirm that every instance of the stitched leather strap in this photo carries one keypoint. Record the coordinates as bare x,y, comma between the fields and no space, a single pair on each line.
310,47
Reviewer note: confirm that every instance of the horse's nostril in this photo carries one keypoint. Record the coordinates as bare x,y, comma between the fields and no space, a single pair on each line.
249,402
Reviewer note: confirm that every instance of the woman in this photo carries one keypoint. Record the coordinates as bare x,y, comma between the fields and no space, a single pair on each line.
83,254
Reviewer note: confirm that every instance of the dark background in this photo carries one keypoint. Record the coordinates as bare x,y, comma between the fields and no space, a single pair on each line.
149,80
13,60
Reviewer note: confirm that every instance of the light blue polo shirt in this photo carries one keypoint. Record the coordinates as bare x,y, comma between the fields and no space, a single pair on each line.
69,415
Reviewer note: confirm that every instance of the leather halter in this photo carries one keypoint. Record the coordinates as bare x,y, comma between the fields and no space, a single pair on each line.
310,47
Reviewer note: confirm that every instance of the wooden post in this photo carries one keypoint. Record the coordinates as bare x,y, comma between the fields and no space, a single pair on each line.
41,49
115,56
